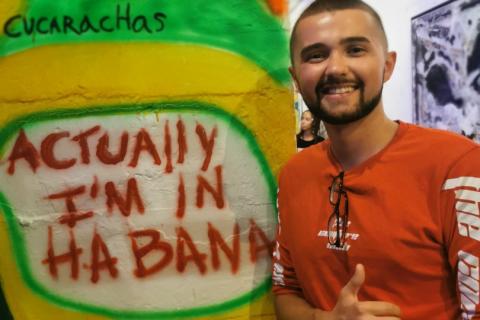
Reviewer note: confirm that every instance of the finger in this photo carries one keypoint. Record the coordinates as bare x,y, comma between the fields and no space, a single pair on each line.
371,317
379,308
357,280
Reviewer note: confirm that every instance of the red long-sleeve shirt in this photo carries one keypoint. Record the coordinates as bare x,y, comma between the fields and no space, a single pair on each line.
414,222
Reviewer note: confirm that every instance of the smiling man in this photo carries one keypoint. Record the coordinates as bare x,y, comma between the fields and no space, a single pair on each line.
382,220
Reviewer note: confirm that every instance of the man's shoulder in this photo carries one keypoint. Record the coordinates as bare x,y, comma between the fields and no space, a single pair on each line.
431,138
313,156
438,147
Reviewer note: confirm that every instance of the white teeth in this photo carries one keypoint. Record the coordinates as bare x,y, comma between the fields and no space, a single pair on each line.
341,90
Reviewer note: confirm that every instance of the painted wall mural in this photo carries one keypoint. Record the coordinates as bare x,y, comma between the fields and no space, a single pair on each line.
139,145
446,68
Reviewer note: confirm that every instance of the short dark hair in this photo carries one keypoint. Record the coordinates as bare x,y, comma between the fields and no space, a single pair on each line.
319,6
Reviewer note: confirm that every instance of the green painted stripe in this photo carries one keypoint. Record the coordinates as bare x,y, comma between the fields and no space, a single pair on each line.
245,27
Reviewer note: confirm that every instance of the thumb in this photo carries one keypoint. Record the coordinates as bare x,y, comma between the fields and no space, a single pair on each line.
357,280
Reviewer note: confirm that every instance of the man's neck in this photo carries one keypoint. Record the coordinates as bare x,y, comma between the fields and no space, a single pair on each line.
356,142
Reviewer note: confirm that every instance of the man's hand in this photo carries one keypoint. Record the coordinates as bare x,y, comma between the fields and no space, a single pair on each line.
292,307
349,308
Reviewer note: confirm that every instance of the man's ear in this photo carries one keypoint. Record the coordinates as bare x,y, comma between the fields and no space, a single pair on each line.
292,73
389,65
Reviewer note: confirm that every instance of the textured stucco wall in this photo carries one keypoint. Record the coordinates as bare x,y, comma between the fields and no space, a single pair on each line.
139,145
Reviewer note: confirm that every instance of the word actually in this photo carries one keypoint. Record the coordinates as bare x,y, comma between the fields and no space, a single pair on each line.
24,149
121,21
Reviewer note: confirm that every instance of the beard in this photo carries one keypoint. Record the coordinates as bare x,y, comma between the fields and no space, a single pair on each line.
362,109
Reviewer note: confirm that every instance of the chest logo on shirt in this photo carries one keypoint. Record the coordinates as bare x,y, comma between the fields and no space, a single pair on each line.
348,238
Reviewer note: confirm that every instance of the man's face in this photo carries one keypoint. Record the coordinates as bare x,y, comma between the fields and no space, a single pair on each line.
340,64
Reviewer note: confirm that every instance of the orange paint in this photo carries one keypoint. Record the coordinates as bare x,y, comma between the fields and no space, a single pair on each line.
168,148
278,7
182,141
233,254
183,238
255,248
124,205
98,245
47,151
71,256
105,156
181,201
82,140
72,215
217,192
144,143
207,143
23,149
94,188
154,245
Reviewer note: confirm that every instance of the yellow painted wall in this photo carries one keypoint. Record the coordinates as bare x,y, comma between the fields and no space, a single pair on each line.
185,69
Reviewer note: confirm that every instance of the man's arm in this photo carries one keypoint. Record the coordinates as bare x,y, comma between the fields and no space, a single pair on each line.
460,203
292,307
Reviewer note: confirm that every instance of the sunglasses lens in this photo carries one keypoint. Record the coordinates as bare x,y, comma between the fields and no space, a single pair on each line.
338,220
335,191
332,229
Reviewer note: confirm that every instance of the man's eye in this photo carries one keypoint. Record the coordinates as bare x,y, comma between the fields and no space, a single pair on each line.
315,56
355,50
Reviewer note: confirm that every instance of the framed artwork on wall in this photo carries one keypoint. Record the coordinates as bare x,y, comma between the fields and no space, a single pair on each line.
446,67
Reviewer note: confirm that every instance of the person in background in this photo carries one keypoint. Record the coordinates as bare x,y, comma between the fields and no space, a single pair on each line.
308,135
382,219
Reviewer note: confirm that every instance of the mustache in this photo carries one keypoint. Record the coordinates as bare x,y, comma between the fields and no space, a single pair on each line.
332,81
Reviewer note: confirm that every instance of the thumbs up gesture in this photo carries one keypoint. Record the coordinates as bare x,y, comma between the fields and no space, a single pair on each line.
348,306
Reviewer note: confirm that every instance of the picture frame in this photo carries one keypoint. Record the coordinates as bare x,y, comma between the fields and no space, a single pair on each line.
446,67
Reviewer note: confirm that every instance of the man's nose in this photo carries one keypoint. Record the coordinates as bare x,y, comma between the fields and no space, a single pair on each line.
336,64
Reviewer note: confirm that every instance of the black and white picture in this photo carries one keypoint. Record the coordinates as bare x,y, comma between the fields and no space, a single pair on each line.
446,67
